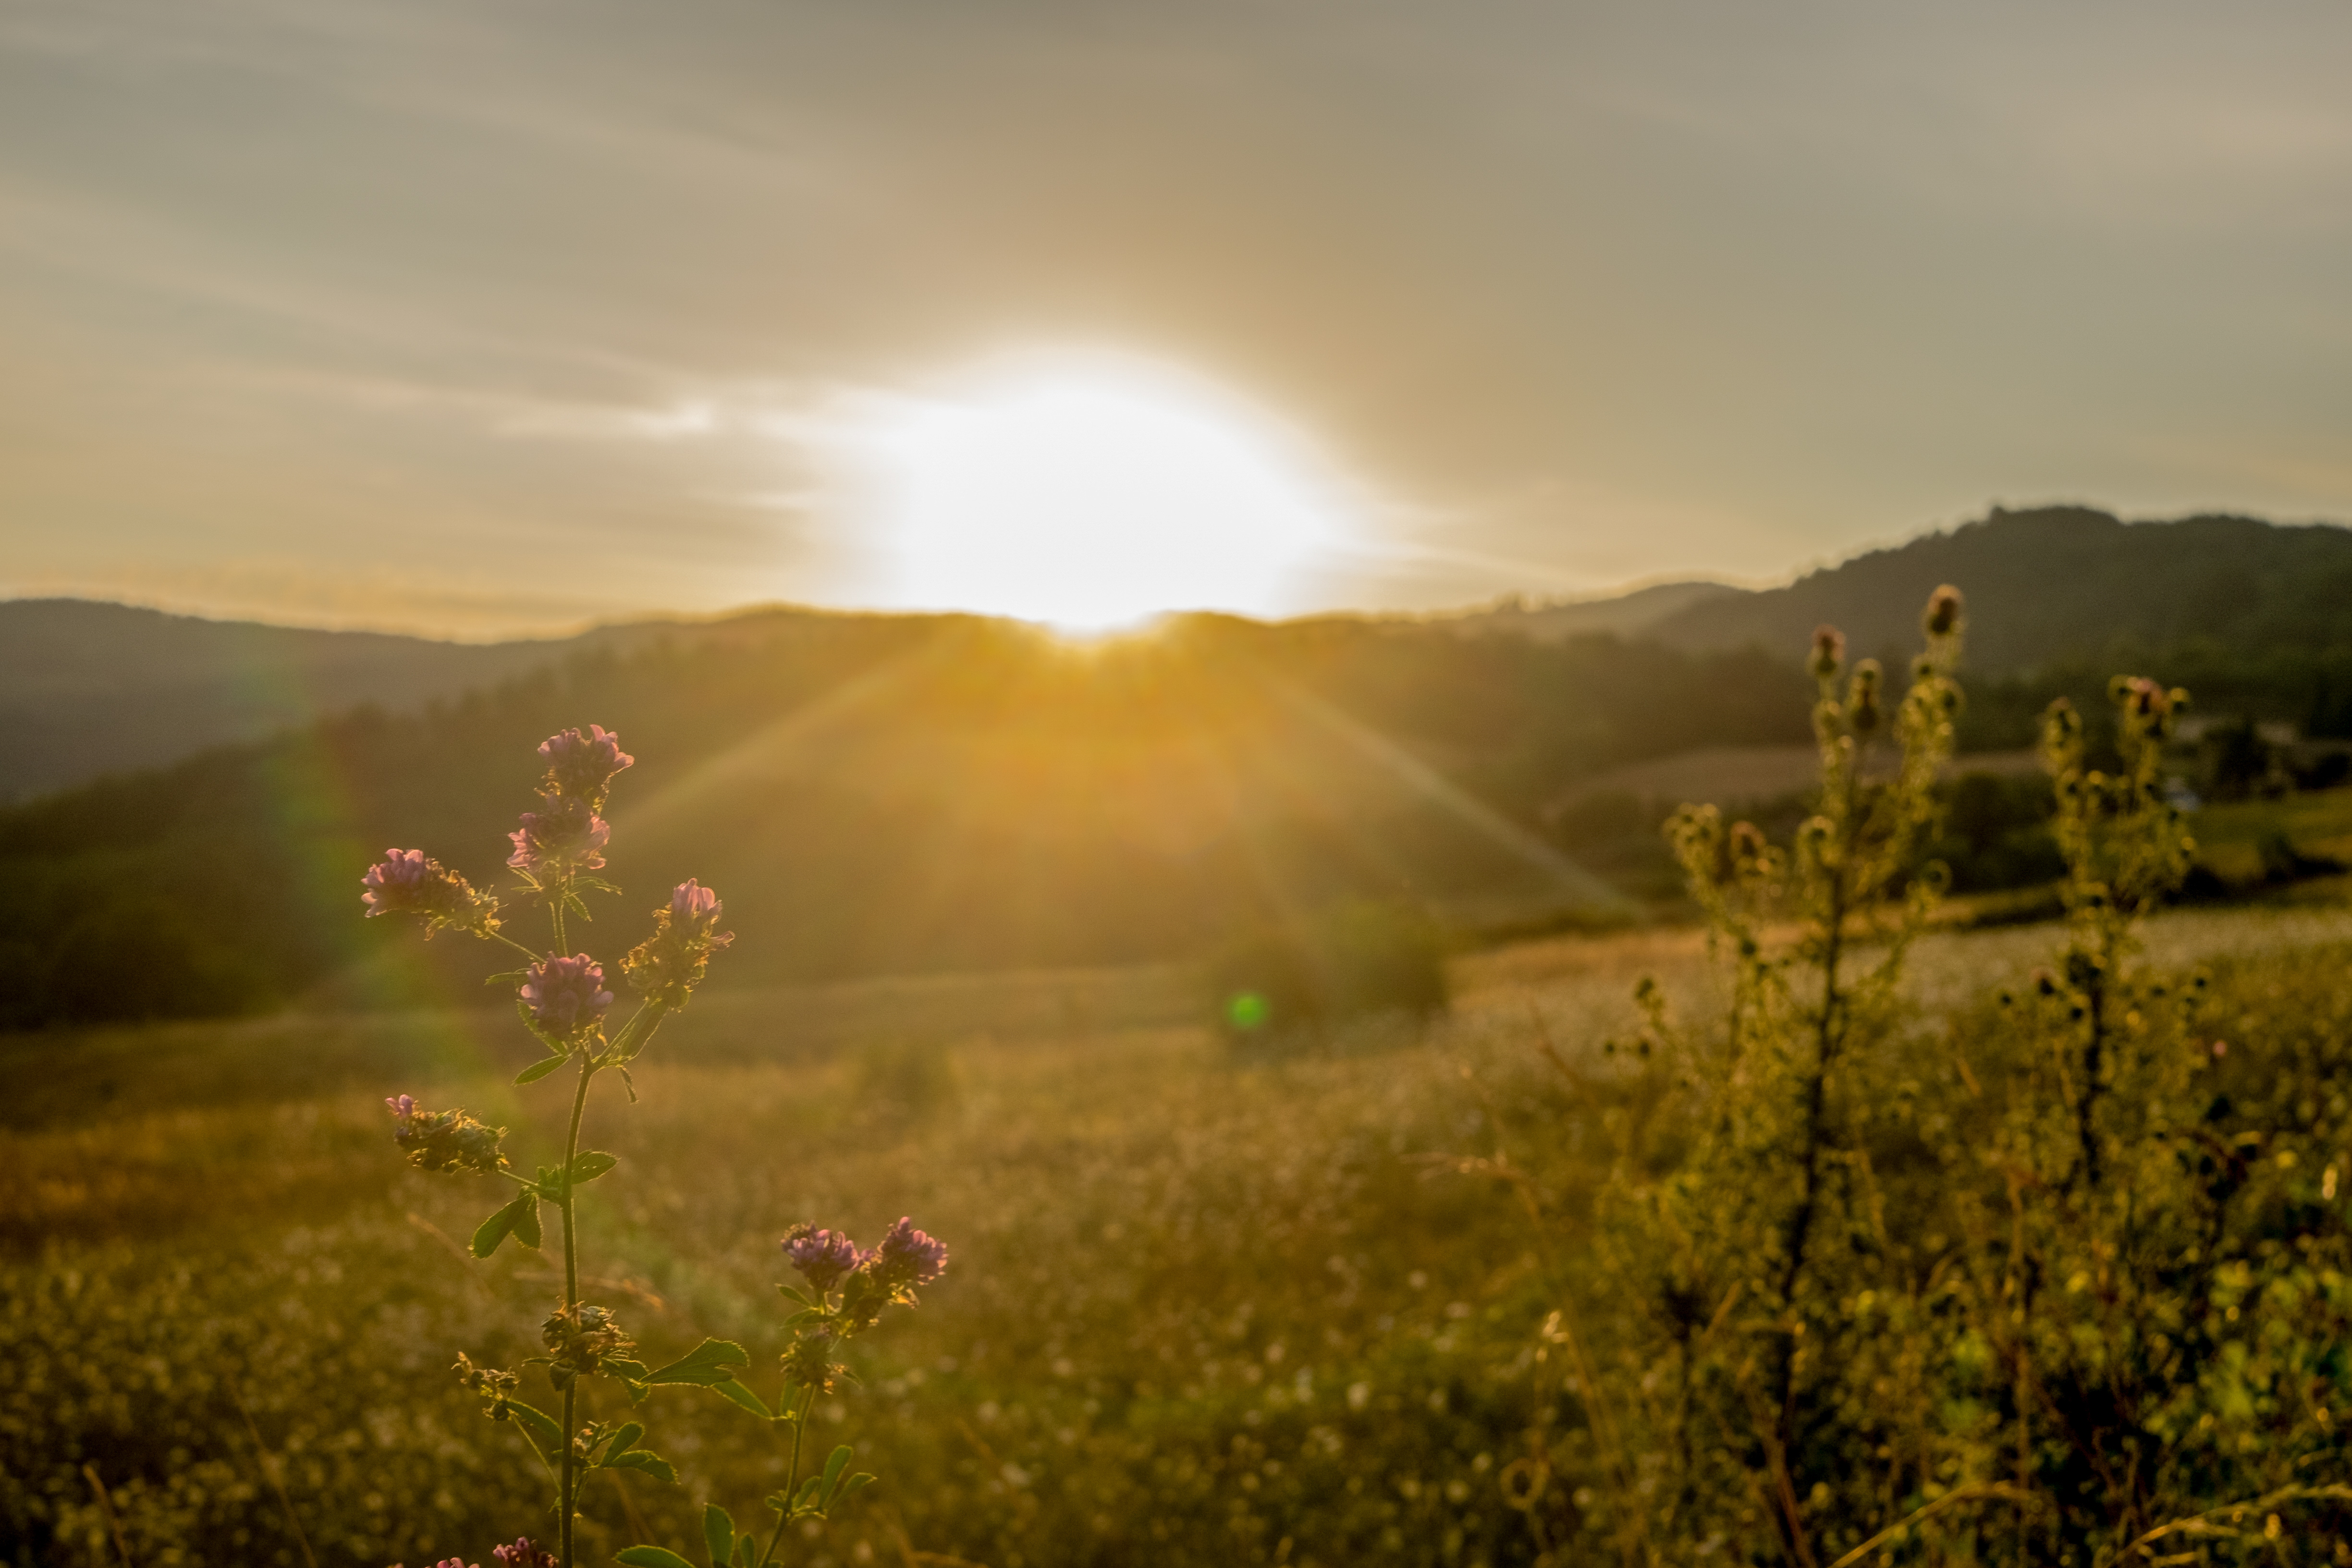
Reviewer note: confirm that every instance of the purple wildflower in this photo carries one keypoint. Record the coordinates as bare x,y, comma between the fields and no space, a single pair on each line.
908,1257
410,882
524,1553
566,995
666,966
582,766
566,837
823,1257
692,903
402,1105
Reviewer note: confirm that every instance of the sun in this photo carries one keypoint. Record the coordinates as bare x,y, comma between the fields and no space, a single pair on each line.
1096,494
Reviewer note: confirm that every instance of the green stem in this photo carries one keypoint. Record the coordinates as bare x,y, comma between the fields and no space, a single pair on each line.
571,1287
501,936
785,1515
631,1038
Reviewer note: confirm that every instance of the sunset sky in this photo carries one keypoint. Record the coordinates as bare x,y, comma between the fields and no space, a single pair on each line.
491,318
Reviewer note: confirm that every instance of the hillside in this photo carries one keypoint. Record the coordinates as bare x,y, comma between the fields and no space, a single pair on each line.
91,689
2062,584
879,795
1634,613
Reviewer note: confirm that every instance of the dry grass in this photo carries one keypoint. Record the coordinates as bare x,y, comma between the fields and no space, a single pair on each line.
1200,1309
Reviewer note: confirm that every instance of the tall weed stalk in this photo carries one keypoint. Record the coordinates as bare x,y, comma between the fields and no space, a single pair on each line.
2024,1286
561,1000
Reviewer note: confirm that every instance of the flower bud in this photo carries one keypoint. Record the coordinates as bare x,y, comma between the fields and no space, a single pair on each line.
566,996
809,1362
524,1553
1829,652
578,1339
580,767
494,1387
445,1140
409,882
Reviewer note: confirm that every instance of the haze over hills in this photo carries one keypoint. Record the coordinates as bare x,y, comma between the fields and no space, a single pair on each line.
900,794
91,689
87,688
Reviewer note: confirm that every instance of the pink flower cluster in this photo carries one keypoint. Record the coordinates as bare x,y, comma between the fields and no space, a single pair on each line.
566,996
668,966
566,837
823,1256
907,1256
410,882
582,766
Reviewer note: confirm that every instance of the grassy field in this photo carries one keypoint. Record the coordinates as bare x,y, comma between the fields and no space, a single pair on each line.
1202,1307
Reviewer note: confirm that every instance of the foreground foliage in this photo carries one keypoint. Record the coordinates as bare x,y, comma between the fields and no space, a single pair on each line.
2046,1290
1852,1243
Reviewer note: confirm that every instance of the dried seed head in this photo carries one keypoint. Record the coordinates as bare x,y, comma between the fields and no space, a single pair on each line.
1829,652
1943,613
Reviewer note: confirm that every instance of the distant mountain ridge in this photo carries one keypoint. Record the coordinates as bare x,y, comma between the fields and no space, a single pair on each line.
89,687
916,794
2057,584
1636,612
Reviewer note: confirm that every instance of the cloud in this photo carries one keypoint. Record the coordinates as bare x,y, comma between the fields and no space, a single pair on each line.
1583,293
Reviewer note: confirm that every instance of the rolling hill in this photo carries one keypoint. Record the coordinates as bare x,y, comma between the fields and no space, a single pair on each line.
880,794
88,689
2058,584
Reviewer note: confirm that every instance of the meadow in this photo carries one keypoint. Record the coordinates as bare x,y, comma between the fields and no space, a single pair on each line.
1204,1306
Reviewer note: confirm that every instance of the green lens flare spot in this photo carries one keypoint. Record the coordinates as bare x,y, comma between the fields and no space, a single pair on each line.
1247,1010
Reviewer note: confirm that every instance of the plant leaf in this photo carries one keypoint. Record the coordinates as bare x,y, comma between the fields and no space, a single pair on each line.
733,1389
525,1219
743,1546
718,1533
643,1459
622,1441
708,1364
833,1468
494,1230
540,1069
590,1164
806,1501
540,1426
852,1486
650,1557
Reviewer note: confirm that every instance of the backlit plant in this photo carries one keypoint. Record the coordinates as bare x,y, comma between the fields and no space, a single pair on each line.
564,1000
2046,1286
